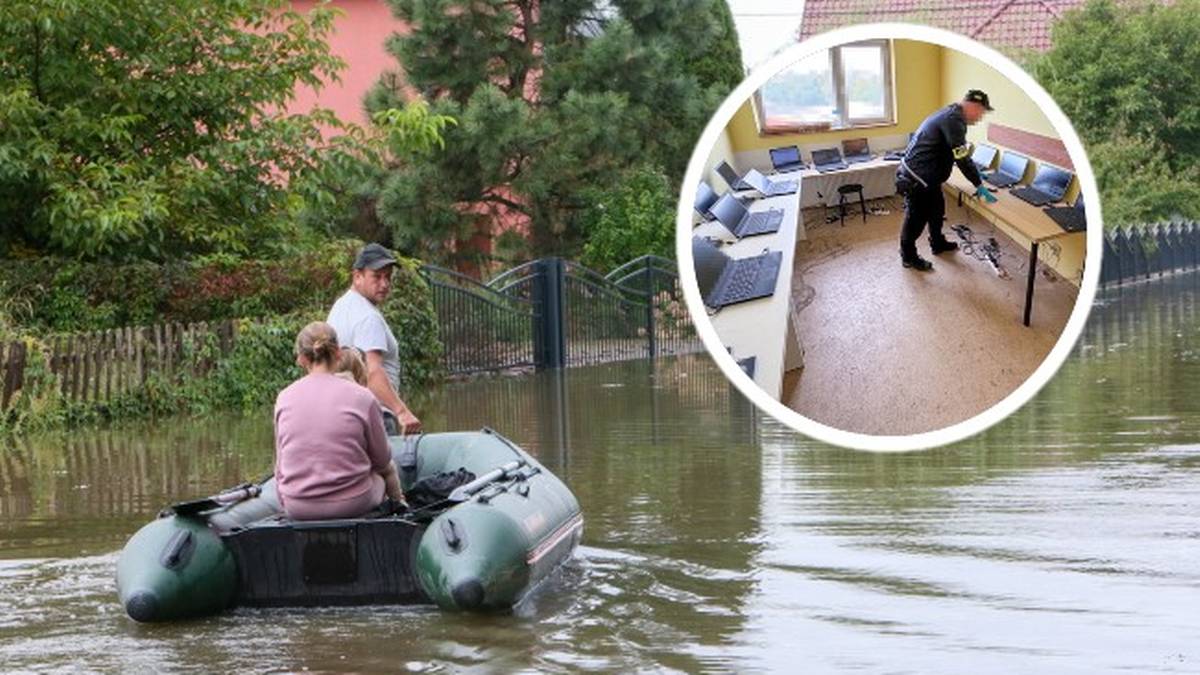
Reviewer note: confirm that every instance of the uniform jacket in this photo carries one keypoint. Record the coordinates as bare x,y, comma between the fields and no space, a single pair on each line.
940,143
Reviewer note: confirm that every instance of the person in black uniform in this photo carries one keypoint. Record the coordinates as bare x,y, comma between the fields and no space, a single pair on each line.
939,143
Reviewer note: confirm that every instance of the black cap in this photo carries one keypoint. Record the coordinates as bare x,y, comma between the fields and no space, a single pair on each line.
373,257
977,96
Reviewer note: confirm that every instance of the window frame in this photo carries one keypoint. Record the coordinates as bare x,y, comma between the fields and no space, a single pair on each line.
837,72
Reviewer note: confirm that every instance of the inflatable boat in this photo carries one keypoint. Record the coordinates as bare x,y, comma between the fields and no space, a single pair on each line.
503,529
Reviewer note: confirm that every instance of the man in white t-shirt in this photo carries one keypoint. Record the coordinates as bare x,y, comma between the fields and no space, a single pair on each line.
359,323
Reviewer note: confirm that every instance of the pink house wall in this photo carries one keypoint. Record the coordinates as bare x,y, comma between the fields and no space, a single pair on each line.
359,39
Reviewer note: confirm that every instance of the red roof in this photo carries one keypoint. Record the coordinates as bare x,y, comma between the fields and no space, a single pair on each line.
1007,25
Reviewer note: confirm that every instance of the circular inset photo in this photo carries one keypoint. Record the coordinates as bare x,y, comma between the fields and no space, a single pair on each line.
889,237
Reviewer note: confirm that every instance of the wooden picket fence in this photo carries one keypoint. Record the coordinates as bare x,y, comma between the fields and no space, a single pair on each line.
100,365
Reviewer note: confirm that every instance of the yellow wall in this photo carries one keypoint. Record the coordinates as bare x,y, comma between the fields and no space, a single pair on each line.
917,83
1013,108
722,151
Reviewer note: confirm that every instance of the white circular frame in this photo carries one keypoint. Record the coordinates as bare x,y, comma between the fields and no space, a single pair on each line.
1018,397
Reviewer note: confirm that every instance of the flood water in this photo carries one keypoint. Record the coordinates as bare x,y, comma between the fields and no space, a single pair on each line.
1065,539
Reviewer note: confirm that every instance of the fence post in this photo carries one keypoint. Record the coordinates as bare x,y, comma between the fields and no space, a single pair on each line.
549,338
653,344
14,374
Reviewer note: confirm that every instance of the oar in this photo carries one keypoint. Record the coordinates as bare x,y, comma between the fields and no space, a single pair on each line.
226,498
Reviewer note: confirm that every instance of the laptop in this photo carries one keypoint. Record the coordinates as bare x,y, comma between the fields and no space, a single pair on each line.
746,364
724,281
1011,170
829,159
1048,186
983,156
705,198
731,178
856,150
786,159
1069,218
768,187
733,215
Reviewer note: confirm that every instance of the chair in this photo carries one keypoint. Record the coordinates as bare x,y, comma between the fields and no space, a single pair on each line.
846,190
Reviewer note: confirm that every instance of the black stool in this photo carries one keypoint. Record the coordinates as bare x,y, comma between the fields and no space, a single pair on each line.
849,189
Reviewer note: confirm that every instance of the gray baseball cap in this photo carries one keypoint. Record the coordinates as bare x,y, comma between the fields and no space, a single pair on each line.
373,257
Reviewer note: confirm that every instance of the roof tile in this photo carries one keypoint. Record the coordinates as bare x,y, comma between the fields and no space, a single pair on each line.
1007,25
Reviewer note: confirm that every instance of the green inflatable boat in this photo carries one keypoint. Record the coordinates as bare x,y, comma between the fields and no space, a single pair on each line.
485,546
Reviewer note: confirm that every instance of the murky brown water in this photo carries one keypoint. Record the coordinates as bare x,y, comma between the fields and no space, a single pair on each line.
1065,539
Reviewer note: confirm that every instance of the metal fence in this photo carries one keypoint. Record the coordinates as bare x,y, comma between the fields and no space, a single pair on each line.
551,312
484,328
1138,253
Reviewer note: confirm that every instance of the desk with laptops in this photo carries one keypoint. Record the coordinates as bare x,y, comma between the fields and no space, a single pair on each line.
744,248
1033,214
743,251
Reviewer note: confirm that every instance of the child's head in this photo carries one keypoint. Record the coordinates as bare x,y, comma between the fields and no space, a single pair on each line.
350,365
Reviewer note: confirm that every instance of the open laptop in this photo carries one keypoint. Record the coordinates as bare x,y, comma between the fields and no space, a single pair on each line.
1011,170
829,159
1069,218
786,158
856,150
731,178
768,187
724,281
983,156
733,215
705,198
1048,186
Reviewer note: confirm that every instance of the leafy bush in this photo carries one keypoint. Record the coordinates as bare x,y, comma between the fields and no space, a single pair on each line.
1124,73
271,299
632,218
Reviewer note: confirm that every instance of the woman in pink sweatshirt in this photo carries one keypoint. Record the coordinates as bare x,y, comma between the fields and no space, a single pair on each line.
332,458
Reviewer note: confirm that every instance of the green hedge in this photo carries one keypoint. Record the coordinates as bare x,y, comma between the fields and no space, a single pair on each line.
272,300
55,295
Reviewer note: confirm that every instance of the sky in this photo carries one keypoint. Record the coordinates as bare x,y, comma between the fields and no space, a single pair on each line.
765,26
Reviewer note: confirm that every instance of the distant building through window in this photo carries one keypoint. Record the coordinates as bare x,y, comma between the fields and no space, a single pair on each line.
840,88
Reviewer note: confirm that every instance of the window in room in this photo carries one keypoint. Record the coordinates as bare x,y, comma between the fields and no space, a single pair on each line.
841,88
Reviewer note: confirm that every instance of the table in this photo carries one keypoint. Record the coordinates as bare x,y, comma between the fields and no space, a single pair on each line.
1026,219
764,328
877,176
767,328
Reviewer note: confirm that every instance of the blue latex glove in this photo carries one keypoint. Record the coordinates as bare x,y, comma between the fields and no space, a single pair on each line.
985,194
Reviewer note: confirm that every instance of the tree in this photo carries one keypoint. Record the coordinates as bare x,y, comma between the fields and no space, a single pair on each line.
552,99
153,128
628,219
1125,75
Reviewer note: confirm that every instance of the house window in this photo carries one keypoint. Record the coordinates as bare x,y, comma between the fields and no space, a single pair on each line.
841,88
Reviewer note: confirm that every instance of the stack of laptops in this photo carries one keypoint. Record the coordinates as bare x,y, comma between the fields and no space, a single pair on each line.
1069,218
731,178
827,160
856,150
705,198
1011,170
724,281
768,187
1049,186
983,156
733,215
787,159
